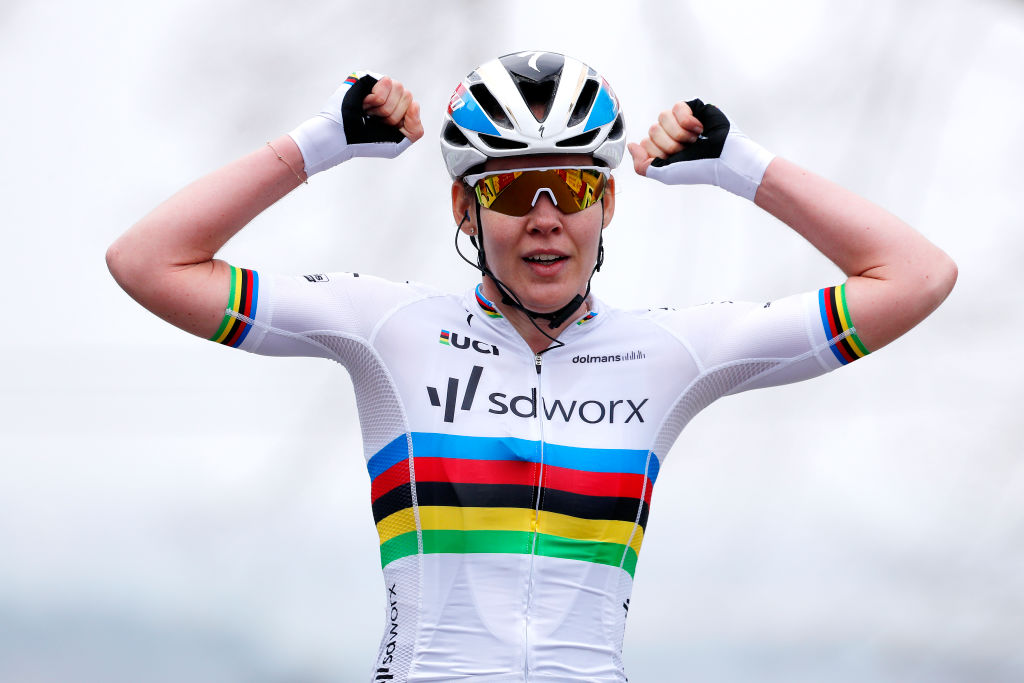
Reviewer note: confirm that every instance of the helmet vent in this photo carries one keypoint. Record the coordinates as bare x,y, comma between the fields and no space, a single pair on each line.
537,95
586,100
617,128
453,135
490,105
494,142
579,140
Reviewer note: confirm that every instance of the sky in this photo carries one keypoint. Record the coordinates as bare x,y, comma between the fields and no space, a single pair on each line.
173,510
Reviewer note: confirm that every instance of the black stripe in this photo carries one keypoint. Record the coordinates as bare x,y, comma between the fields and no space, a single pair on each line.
594,507
243,299
831,297
845,344
234,327
833,300
447,494
391,502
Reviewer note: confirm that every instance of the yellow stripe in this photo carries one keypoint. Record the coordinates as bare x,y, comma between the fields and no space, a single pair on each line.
469,518
598,530
844,316
226,324
396,524
855,342
236,294
510,519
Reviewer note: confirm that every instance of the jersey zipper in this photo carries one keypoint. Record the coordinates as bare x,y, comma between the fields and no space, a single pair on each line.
535,526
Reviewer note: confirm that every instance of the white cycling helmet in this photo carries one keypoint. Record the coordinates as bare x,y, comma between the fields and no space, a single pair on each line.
491,113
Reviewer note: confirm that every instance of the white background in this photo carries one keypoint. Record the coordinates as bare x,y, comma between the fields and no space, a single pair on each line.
172,510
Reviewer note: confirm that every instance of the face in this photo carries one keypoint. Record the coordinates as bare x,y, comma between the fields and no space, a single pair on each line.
546,257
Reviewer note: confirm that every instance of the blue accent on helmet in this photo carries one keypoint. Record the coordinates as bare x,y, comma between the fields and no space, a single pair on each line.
603,111
472,117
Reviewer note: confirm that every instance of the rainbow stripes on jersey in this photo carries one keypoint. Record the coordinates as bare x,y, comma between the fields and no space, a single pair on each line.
352,78
242,299
835,318
587,318
488,307
480,495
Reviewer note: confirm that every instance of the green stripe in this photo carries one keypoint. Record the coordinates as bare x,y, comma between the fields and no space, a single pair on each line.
227,318
397,547
588,551
512,542
853,334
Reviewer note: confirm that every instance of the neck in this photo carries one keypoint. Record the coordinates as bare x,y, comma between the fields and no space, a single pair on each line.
527,326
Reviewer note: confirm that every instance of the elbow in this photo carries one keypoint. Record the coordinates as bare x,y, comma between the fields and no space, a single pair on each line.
116,263
947,274
124,264
939,279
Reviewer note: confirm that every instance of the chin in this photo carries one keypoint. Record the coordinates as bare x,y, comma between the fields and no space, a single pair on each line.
548,302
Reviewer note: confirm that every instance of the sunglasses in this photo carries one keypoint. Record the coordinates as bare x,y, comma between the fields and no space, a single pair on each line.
515,191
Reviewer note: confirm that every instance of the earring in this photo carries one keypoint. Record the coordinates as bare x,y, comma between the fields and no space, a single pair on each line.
472,231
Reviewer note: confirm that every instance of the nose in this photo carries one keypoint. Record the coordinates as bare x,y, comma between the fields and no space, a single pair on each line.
544,216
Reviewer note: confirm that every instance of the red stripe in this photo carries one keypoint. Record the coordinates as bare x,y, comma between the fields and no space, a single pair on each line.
394,476
844,349
829,307
464,471
248,294
236,330
616,484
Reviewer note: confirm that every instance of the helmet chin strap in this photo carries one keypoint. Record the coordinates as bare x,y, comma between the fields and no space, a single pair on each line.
508,297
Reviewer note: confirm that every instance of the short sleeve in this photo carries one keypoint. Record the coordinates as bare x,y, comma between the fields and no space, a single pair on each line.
779,342
277,315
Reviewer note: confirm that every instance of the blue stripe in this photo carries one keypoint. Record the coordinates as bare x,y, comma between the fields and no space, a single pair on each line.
252,307
429,445
471,116
823,310
602,112
396,451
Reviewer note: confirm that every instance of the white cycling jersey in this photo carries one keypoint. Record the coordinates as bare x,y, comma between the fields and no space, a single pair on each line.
511,490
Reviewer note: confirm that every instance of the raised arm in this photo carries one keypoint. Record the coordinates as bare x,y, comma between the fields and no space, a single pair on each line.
895,276
166,260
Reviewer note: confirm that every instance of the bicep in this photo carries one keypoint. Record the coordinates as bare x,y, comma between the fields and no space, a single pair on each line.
191,297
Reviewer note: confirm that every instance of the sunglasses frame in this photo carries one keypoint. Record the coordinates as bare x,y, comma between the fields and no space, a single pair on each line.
472,179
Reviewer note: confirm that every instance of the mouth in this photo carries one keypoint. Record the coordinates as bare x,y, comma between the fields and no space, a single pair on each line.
545,259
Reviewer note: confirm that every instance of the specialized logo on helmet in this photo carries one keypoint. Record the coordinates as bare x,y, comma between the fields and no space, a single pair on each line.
534,56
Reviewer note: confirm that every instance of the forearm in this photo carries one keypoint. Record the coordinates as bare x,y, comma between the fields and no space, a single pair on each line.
896,277
165,261
191,226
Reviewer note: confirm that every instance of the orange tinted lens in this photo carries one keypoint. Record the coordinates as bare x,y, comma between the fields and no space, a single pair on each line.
515,193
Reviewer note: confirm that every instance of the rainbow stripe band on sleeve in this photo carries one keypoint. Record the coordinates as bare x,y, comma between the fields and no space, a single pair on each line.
242,298
835,317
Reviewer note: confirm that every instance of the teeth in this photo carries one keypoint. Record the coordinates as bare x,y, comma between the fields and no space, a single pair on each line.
544,258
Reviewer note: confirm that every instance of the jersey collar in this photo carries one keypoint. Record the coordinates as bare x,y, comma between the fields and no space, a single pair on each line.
486,307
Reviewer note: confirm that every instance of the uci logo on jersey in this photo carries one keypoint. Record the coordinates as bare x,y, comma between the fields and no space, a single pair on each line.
617,411
463,342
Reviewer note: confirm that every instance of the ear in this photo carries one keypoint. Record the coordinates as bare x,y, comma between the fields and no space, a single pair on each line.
609,202
462,207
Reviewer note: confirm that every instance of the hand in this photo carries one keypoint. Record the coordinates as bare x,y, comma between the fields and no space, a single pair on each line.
675,126
367,116
391,102
694,144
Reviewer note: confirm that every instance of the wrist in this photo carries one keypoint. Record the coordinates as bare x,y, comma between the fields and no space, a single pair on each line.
321,144
743,165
